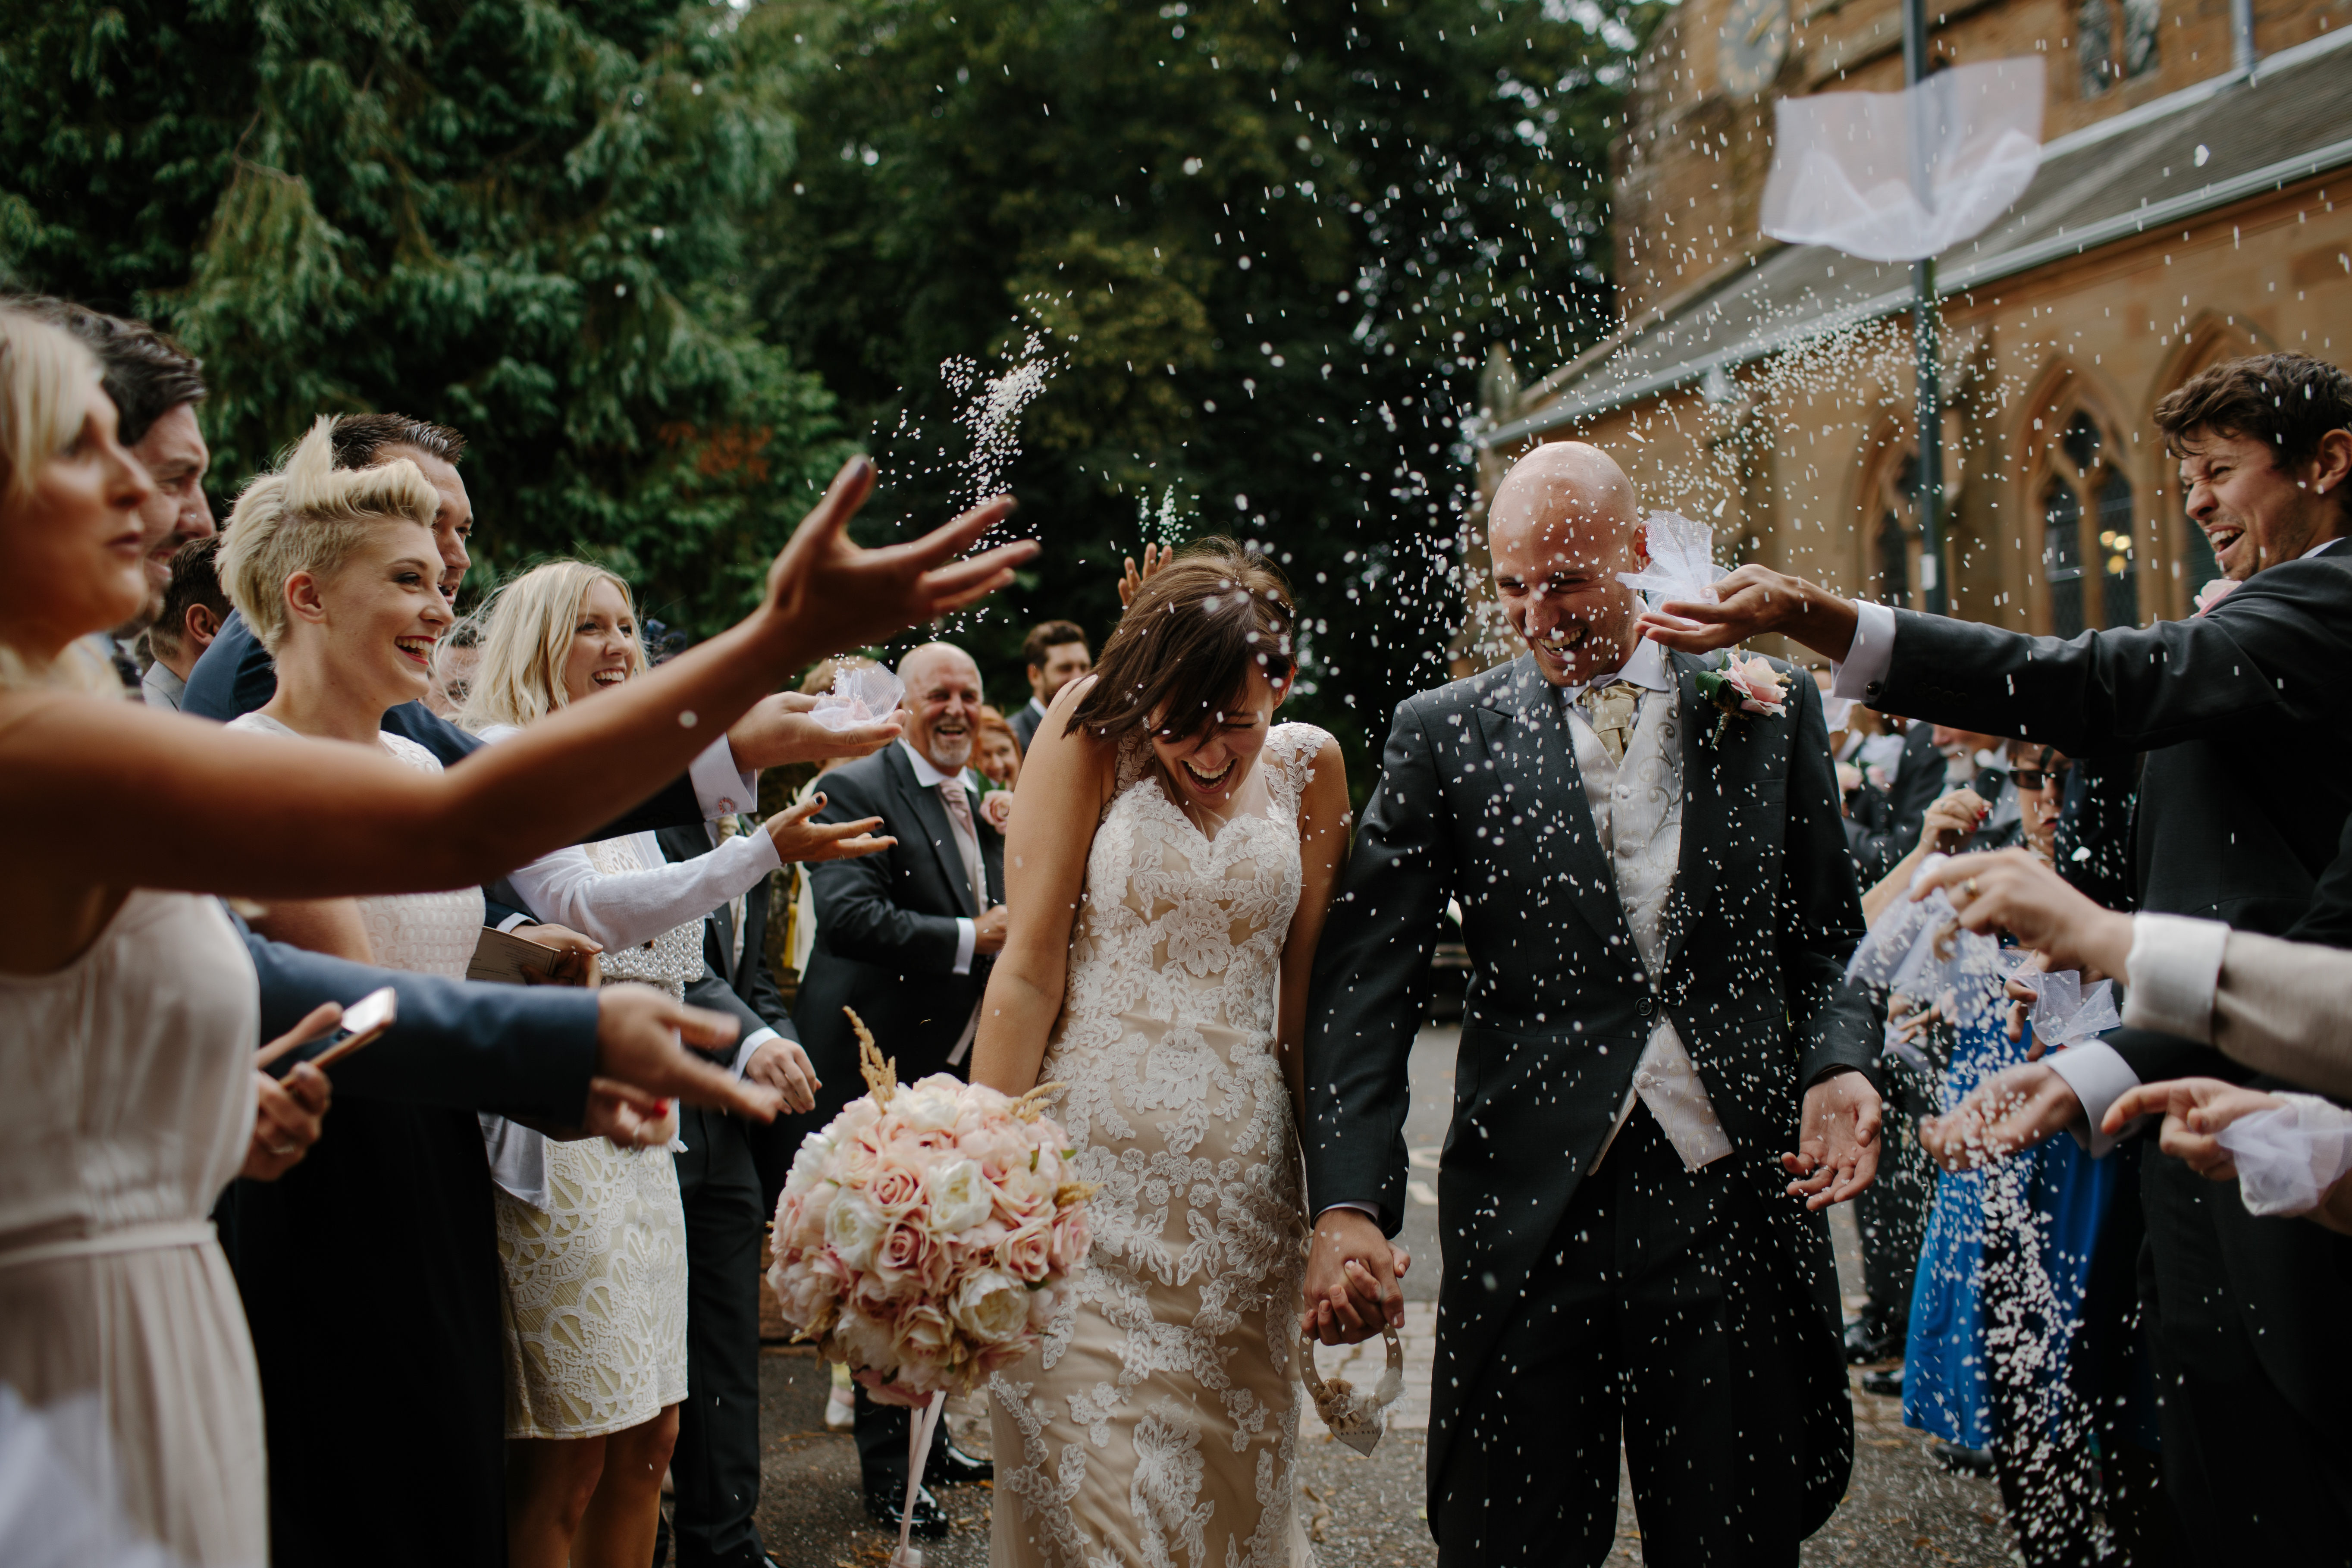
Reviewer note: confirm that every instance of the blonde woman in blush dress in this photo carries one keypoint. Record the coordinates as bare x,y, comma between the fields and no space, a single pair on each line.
591,1237
1167,875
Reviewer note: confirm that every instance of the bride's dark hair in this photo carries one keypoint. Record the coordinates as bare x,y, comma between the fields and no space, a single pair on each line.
1183,651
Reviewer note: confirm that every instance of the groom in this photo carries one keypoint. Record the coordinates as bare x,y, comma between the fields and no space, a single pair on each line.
1659,910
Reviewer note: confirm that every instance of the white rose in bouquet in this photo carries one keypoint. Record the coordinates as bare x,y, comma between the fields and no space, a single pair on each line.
992,1306
959,1197
853,1226
932,1106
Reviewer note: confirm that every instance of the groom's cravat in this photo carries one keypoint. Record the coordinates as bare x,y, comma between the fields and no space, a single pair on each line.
1613,709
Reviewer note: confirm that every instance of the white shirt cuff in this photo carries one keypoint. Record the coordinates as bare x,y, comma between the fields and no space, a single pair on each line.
514,920
718,784
2174,974
1870,658
750,1048
966,939
2099,1077
1361,1208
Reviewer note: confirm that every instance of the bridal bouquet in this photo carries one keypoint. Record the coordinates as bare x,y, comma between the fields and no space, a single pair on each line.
926,1235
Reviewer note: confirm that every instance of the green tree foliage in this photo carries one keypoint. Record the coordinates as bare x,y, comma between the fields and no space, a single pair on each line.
1270,241
520,218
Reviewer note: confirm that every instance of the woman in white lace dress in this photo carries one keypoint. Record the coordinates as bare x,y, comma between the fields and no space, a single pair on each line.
1169,869
592,1238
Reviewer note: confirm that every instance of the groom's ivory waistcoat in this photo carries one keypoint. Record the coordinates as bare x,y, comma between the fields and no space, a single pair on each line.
1637,811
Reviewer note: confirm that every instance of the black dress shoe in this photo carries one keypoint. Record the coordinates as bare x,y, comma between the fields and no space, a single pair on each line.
1960,1461
949,1465
1886,1382
883,1504
1870,1338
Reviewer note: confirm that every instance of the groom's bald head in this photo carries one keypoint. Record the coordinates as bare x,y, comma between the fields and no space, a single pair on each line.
1561,526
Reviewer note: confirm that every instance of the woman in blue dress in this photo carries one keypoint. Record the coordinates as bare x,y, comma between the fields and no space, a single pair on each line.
1990,1361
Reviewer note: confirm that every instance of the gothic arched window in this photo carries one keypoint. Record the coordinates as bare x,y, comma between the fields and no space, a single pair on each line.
2062,556
2119,585
2090,555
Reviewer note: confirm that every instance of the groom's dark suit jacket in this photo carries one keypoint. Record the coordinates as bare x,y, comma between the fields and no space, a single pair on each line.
1480,800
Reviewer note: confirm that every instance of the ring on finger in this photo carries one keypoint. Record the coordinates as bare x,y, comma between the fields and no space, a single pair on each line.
1970,887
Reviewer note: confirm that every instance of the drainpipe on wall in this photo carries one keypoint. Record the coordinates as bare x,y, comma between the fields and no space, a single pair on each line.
2241,20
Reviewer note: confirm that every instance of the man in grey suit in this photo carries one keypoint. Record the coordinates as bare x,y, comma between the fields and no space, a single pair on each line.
1659,908
906,937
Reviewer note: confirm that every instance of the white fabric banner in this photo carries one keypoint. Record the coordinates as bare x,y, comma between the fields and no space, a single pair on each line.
1896,176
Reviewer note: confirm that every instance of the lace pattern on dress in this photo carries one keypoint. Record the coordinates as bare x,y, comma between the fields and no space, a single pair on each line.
1179,1115
596,1282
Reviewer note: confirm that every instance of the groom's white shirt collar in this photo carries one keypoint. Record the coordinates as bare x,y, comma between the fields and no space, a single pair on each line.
1645,668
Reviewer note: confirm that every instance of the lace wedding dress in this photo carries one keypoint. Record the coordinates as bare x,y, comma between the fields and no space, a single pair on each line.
1158,1422
595,1276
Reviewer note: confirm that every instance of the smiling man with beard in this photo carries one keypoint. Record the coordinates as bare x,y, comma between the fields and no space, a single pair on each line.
2246,720
906,937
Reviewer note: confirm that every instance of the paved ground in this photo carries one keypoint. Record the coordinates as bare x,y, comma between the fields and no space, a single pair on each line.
1902,1508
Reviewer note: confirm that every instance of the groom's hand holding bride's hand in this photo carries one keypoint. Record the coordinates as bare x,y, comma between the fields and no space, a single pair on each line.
1352,1278
1837,1143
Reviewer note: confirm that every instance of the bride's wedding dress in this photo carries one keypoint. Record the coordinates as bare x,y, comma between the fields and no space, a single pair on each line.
1158,1422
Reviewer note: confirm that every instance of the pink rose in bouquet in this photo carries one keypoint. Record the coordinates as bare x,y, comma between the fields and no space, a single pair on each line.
926,1237
1028,1253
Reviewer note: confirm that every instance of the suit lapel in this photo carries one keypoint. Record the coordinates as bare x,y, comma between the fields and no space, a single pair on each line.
1529,734
925,807
1703,808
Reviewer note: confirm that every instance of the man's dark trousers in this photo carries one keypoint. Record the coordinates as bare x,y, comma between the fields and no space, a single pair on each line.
1644,1320
717,1463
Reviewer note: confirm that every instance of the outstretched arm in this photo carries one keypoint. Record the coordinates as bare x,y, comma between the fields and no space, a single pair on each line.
1065,783
1831,1023
1372,978
1322,851
394,830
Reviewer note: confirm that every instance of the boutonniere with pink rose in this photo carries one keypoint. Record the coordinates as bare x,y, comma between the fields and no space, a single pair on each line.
1744,688
2213,592
996,807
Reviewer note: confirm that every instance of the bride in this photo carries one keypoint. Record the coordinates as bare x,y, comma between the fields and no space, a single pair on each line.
1168,871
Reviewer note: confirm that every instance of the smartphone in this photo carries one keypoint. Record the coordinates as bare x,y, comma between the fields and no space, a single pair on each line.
364,1022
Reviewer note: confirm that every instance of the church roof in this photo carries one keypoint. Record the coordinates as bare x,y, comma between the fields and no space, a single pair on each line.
2124,175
